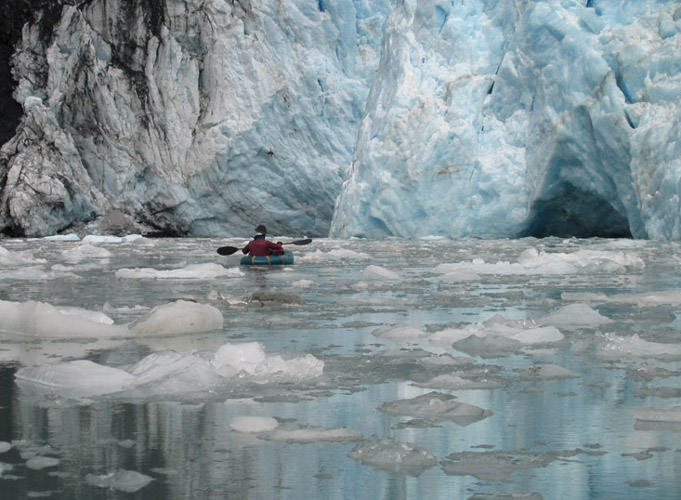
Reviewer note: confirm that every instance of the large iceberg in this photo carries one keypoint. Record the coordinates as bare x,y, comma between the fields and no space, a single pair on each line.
348,118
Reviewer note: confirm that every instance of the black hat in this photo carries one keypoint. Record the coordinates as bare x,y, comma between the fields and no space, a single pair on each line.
261,229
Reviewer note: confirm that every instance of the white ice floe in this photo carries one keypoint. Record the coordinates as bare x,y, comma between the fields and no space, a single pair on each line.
617,347
436,406
545,372
84,252
661,414
250,359
123,480
337,254
81,378
575,316
176,317
533,261
5,446
170,372
45,320
9,258
402,333
192,271
455,382
102,238
40,462
378,273
304,283
292,432
253,425
496,336
62,237
393,456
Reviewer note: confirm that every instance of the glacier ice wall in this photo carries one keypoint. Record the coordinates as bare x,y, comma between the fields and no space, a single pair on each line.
503,119
198,117
354,118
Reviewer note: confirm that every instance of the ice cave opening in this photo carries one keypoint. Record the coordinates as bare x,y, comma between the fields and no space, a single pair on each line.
573,212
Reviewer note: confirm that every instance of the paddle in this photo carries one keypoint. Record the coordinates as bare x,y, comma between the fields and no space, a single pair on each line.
231,250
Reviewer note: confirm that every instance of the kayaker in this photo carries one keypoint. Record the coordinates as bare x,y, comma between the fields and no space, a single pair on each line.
260,247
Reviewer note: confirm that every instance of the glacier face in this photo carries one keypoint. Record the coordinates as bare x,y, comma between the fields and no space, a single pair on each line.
502,119
414,117
197,117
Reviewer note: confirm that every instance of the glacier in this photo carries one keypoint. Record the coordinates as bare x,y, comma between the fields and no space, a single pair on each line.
347,118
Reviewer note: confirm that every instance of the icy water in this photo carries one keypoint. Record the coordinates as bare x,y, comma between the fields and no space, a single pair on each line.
421,369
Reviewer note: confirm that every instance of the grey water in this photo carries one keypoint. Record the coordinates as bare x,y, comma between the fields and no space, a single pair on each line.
580,435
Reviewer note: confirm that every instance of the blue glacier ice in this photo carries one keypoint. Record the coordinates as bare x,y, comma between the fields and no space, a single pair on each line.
348,118
496,119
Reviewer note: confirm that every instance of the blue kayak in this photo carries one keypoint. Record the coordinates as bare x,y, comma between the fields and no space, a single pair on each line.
271,260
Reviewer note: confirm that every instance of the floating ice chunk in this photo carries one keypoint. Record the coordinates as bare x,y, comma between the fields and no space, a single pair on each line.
181,316
487,346
63,237
192,271
250,360
617,346
41,319
232,359
542,335
532,262
5,446
399,333
546,372
295,433
39,462
575,316
97,238
253,425
436,406
454,382
85,251
459,276
13,259
81,378
662,414
493,465
393,456
496,336
124,480
96,316
337,254
445,338
378,273
169,372
303,284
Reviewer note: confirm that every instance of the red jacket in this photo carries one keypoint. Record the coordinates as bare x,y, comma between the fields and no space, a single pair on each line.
261,248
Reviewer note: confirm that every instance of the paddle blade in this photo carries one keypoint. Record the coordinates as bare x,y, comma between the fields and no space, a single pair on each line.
299,242
227,250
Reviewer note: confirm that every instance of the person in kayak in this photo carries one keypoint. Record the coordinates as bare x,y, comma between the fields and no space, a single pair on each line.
260,247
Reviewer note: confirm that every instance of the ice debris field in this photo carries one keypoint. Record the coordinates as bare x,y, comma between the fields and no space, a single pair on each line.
494,368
